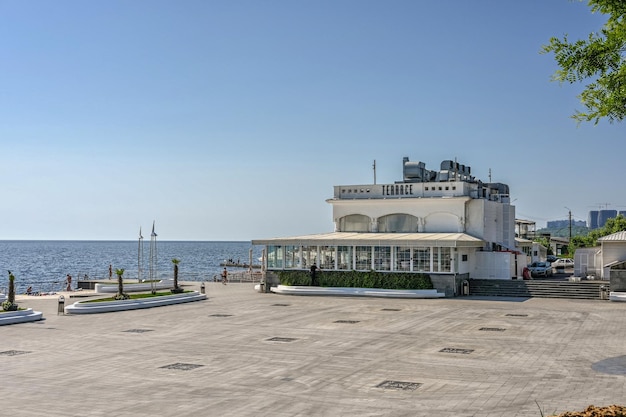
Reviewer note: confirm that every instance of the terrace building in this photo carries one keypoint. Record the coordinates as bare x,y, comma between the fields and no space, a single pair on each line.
444,223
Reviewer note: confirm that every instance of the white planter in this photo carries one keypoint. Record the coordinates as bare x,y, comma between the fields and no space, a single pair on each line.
360,292
20,316
83,307
617,296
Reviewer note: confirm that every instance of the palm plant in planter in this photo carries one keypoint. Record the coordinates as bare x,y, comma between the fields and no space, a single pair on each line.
120,286
176,289
9,304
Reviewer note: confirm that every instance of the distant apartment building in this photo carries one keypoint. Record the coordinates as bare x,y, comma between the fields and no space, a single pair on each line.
598,218
561,224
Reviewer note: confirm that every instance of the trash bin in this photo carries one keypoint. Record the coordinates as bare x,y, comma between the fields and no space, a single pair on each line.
604,294
202,290
465,287
61,309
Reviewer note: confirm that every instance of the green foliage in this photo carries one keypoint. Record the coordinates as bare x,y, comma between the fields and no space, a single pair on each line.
359,279
120,285
564,231
11,295
613,225
601,59
176,288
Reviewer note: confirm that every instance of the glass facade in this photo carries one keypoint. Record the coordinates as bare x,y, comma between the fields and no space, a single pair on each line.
363,258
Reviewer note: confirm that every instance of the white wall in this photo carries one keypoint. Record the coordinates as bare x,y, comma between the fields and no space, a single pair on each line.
493,265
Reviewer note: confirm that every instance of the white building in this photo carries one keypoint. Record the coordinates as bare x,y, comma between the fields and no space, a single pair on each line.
443,223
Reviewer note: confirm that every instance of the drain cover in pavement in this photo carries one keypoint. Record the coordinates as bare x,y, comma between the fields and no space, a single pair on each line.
181,366
390,309
492,329
221,315
456,350
14,352
280,305
347,321
399,385
137,330
281,339
517,315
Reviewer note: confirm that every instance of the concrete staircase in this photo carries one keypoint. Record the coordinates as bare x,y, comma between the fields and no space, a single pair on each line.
589,290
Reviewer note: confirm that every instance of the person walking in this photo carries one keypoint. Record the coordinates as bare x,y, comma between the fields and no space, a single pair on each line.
224,276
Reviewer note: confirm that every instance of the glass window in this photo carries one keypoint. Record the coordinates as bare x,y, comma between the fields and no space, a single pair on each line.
354,223
309,256
445,259
274,256
363,257
403,259
327,257
421,259
292,256
397,223
382,258
344,257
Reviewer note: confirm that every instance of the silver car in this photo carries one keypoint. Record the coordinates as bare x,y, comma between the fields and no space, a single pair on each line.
540,269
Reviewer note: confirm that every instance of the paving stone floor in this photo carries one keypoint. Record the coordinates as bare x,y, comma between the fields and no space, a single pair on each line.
241,353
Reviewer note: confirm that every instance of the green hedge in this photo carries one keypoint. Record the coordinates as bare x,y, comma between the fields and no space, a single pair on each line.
359,279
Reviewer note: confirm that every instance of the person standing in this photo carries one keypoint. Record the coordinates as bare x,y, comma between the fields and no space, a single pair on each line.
313,276
224,276
68,281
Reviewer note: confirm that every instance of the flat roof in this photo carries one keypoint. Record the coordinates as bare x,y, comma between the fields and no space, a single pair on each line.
379,239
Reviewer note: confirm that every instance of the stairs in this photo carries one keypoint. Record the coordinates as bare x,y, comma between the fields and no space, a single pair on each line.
586,290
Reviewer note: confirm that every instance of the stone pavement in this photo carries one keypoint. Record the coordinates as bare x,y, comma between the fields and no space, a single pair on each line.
241,353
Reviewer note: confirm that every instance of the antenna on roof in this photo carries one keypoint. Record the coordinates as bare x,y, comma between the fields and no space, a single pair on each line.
489,174
374,167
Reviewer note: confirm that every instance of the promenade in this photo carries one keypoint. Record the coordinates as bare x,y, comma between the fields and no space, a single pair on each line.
242,353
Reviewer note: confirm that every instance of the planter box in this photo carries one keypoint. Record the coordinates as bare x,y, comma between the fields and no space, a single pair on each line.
20,316
83,307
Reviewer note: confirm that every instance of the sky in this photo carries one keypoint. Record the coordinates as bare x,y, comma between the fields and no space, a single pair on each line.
226,120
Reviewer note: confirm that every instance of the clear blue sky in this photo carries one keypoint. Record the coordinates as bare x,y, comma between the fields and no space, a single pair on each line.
233,120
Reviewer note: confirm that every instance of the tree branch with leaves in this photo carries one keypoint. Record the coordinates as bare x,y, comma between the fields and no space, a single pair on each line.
601,59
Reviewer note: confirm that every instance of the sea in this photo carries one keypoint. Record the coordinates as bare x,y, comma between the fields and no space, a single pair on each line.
44,264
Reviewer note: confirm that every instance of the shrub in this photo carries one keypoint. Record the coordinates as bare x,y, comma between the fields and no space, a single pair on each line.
359,279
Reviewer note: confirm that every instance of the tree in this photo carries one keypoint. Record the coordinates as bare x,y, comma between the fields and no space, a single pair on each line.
9,304
612,225
176,288
601,59
120,285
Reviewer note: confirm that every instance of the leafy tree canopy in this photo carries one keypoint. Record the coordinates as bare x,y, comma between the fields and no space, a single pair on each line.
600,59
613,225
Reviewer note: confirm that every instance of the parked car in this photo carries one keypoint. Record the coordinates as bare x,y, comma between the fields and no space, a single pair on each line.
540,269
551,258
563,263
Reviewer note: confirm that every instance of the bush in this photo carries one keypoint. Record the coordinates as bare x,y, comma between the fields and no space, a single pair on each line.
359,279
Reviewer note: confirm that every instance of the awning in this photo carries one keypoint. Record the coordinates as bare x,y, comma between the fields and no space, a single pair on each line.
454,240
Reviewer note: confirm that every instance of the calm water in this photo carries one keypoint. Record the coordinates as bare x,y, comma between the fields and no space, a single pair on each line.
44,264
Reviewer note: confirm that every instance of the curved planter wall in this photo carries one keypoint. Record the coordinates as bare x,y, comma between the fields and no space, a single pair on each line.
20,316
83,307
359,292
